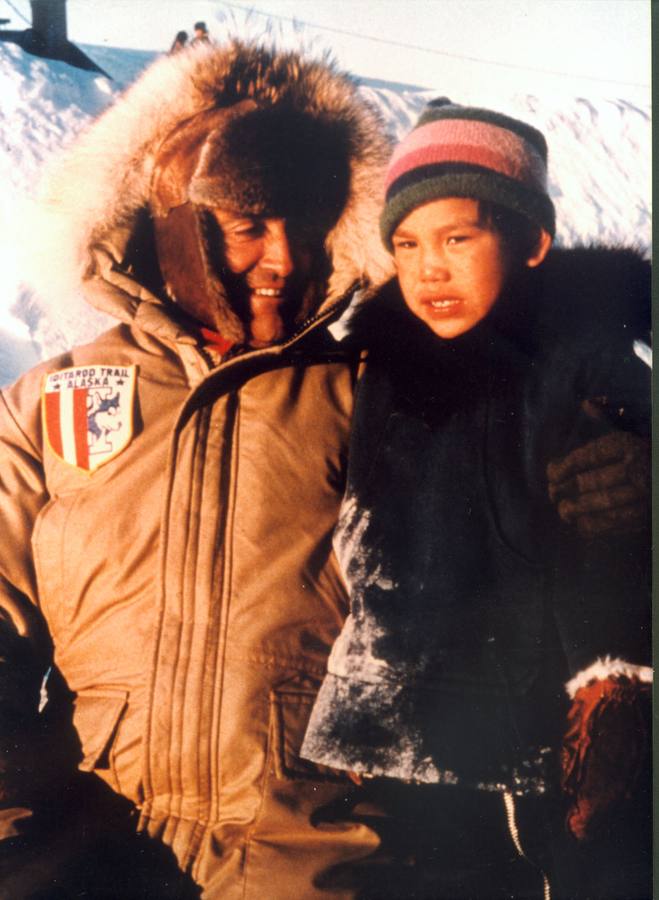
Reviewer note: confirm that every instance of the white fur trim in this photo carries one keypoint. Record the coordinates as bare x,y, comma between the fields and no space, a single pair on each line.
605,668
644,352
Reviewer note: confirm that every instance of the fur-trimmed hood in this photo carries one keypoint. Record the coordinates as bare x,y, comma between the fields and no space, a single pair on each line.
93,198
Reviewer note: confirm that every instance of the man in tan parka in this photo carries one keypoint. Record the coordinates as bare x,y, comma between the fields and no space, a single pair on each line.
168,491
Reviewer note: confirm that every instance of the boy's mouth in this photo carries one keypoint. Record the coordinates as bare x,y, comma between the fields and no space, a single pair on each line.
441,305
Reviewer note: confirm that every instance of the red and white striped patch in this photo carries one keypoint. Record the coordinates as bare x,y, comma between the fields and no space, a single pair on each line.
88,413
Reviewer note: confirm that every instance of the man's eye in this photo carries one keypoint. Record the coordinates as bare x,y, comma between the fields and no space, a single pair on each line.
248,233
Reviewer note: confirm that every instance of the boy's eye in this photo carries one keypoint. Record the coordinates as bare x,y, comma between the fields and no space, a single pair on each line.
457,239
404,244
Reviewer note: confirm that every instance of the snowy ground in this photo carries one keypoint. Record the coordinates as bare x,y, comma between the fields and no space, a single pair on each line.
600,159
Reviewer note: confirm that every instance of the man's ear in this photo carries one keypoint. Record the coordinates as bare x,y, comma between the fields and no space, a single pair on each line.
541,249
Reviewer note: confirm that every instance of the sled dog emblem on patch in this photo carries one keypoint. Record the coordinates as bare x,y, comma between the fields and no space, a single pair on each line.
88,413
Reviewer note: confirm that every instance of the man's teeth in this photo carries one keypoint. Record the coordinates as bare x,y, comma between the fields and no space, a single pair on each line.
267,292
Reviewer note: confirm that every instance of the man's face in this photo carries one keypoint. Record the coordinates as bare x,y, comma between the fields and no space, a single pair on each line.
451,267
269,270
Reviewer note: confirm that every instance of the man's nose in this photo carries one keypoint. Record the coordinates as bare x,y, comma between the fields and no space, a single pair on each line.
277,253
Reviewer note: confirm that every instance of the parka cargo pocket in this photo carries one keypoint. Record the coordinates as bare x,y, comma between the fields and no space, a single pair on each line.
305,840
289,715
96,718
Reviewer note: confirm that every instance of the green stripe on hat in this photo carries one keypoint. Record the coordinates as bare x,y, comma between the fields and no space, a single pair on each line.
475,185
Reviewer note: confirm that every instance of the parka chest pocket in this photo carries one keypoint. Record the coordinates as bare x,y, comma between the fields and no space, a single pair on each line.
95,557
96,718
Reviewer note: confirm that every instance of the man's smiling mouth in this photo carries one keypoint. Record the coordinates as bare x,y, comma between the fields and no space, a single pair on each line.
268,292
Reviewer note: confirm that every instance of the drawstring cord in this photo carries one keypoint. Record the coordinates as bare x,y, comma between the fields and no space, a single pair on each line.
509,805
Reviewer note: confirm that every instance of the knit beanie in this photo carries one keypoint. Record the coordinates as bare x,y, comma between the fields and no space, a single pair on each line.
462,151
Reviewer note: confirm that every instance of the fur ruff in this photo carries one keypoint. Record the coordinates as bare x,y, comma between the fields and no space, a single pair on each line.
91,196
607,668
587,292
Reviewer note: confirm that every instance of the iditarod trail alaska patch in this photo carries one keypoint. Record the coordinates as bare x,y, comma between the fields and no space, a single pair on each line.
88,413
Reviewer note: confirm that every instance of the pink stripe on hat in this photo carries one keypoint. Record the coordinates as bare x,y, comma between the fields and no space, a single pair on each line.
471,142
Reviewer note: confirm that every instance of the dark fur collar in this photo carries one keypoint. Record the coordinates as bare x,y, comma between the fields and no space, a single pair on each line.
578,294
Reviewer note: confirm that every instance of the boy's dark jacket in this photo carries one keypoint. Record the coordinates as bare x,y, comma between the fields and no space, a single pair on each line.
471,604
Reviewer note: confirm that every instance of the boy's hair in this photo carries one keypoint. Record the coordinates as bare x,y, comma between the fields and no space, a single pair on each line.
461,151
521,236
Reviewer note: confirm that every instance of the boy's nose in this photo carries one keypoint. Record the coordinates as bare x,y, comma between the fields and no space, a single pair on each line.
433,267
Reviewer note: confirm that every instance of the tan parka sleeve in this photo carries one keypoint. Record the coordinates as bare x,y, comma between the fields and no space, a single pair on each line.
24,642
22,496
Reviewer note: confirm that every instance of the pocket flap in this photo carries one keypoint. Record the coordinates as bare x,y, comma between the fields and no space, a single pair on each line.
96,717
289,715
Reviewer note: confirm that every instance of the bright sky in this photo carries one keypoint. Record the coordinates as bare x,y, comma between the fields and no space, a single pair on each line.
589,46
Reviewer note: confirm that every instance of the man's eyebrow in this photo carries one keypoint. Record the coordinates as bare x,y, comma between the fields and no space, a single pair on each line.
240,222
230,215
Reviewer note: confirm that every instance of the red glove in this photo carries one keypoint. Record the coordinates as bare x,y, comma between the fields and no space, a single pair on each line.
606,750
604,486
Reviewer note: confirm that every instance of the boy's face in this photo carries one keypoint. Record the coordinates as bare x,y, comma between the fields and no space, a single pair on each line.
451,266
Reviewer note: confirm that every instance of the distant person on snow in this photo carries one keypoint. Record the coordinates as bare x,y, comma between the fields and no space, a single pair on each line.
179,42
201,35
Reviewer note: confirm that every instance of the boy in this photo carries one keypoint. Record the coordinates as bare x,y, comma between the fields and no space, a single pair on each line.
480,627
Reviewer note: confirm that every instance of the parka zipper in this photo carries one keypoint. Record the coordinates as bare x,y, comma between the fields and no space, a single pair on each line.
509,805
245,359
208,386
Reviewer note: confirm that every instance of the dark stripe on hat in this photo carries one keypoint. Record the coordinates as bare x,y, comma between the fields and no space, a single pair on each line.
472,184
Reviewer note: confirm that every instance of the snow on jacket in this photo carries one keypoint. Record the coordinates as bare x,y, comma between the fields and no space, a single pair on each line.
471,605
186,585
